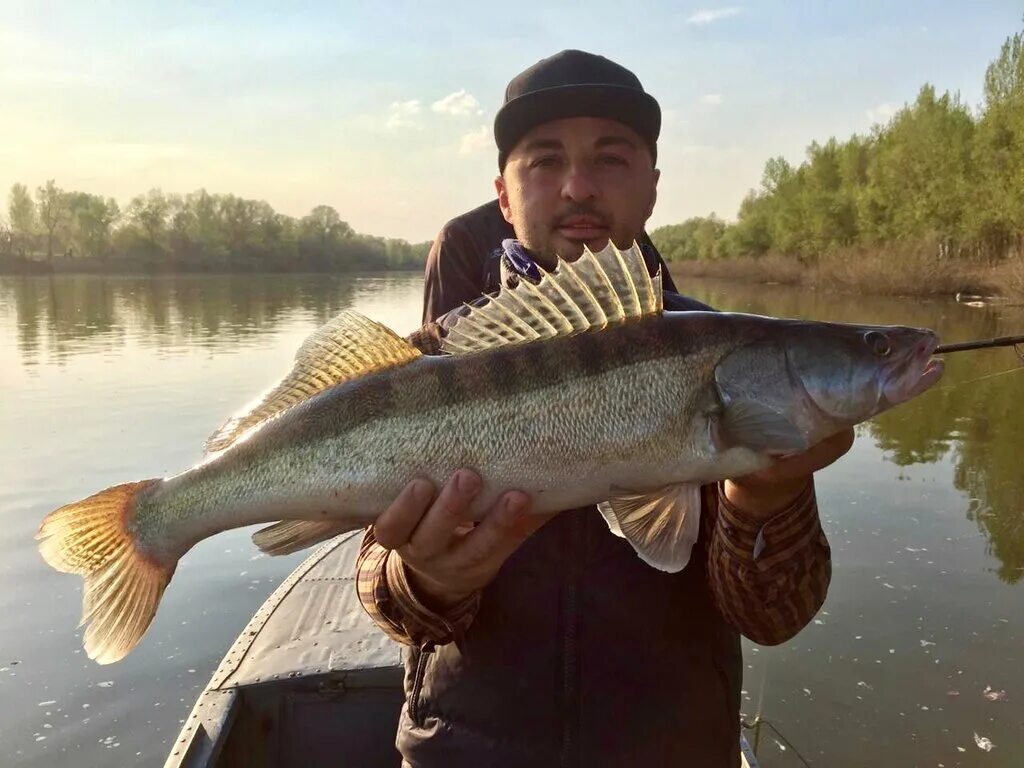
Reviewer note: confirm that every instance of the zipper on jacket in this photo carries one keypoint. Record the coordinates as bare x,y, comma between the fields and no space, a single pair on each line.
417,684
575,534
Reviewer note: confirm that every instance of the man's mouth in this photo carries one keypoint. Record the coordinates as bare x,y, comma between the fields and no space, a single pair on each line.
582,228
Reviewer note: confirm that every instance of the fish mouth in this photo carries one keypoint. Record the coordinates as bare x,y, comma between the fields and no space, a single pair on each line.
919,373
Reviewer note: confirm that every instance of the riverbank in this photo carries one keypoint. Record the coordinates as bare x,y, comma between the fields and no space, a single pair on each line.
13,265
888,271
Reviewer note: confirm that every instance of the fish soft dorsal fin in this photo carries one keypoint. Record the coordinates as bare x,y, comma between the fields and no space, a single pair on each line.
661,525
346,347
596,290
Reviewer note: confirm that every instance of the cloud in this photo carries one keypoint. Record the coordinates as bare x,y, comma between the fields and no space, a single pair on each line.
458,103
714,99
476,141
709,15
881,113
403,114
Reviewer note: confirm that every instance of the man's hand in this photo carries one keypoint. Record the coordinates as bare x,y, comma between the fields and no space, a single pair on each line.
446,559
762,494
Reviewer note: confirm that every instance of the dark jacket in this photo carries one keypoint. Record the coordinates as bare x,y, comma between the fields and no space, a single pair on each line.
580,654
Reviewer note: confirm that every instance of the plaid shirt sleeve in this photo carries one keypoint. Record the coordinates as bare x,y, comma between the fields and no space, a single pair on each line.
768,579
386,596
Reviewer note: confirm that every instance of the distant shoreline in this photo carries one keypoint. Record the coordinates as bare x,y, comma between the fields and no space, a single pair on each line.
876,272
13,267
885,271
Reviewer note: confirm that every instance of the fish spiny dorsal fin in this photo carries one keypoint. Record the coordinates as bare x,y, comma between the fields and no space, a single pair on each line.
345,348
596,290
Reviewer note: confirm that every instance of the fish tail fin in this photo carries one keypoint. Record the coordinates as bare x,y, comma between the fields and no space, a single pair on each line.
123,585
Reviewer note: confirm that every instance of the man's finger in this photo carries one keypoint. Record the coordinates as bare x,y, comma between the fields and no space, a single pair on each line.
501,532
434,533
396,524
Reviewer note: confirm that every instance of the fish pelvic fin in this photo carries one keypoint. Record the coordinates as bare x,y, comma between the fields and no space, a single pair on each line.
662,525
123,585
290,536
345,348
596,290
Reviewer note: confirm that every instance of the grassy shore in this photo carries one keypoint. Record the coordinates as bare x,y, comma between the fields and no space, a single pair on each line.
888,270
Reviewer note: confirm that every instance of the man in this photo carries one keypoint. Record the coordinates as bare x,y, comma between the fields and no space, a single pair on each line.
544,640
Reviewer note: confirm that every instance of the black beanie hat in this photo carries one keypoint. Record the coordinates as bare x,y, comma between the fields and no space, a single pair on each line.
574,84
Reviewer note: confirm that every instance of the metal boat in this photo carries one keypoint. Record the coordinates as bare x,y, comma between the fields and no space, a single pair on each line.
309,682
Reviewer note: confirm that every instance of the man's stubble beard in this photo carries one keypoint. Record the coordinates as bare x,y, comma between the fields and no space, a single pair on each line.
541,241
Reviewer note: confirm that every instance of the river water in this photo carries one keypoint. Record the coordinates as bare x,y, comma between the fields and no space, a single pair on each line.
916,659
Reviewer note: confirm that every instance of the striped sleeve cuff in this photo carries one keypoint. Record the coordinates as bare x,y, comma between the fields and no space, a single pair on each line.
421,623
387,597
763,545
769,578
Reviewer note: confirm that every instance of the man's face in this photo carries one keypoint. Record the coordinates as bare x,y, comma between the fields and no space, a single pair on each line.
575,182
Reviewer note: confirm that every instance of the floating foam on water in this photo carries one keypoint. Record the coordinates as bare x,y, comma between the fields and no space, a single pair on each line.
983,742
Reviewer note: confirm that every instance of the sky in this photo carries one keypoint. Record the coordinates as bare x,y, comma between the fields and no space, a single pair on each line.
385,110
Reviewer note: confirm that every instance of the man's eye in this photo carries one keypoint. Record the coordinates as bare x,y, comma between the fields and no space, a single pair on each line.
546,161
612,160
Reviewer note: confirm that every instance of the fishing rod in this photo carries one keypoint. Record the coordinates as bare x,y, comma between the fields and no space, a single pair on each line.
998,341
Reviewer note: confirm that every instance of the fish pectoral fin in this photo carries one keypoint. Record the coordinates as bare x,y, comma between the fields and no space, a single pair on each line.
755,426
597,290
345,348
290,536
661,525
605,508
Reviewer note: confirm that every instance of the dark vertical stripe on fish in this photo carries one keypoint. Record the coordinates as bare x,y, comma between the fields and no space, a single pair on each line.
450,382
375,398
536,362
589,354
499,370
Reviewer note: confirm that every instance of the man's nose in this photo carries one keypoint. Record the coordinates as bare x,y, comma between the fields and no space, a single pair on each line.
579,183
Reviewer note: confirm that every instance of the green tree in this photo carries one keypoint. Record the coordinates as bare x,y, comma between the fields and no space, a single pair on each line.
21,211
997,213
695,238
52,207
1004,78
150,213
918,179
93,218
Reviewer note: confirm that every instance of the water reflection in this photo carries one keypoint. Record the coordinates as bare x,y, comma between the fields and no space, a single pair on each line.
974,418
65,315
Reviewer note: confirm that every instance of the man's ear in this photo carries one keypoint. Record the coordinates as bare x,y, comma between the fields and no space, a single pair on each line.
502,190
654,192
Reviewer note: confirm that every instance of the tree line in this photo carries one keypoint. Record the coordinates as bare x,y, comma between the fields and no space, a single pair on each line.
938,172
199,231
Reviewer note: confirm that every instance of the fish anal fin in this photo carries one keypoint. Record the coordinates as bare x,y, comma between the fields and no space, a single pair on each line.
347,347
290,536
598,289
662,525
123,585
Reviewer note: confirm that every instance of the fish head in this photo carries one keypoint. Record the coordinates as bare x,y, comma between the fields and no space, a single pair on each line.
851,373
790,384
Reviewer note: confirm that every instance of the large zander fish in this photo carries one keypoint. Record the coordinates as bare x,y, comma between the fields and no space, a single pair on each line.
579,390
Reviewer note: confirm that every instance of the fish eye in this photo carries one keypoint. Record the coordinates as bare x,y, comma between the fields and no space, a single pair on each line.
878,342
